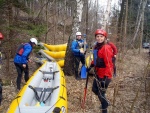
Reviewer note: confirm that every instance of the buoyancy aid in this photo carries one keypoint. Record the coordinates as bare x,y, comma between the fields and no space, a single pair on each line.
103,61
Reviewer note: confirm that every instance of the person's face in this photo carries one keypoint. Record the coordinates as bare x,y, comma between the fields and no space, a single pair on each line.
79,36
100,38
33,44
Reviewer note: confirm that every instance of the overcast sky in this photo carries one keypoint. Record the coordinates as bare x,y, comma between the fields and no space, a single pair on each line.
104,2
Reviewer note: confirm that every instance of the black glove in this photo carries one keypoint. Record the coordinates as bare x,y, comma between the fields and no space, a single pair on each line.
88,69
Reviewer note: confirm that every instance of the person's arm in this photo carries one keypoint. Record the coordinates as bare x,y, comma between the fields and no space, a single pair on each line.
107,55
27,51
115,51
74,48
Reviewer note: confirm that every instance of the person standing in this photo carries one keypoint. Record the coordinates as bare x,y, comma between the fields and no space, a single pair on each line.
115,51
77,49
103,65
21,60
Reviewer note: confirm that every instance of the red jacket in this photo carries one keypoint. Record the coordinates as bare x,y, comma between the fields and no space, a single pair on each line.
106,53
114,48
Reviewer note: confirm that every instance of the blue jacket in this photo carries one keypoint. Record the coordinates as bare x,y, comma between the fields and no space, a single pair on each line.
23,59
75,46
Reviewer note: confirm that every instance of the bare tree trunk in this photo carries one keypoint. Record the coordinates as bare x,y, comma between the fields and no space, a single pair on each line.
125,27
142,27
96,13
42,6
55,22
46,13
139,22
138,15
10,34
120,20
64,18
106,16
69,59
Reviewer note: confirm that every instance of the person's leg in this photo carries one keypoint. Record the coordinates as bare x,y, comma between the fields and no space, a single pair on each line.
94,87
77,62
114,65
19,71
82,60
101,94
26,71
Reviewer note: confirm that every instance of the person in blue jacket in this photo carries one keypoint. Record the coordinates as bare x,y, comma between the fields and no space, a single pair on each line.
21,60
77,49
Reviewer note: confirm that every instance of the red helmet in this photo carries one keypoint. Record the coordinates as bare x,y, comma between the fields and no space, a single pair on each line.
1,36
100,31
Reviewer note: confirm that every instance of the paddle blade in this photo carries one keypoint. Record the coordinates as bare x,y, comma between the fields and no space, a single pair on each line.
83,101
83,72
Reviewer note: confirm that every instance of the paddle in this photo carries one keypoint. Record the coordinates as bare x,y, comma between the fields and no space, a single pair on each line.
83,68
84,35
85,89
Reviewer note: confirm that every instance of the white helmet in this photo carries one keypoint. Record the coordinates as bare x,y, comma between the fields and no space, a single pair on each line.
78,33
33,40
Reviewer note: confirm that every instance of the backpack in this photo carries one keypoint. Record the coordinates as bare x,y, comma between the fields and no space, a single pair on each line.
20,49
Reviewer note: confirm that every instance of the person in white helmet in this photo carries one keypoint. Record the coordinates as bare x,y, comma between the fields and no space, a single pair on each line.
77,49
21,60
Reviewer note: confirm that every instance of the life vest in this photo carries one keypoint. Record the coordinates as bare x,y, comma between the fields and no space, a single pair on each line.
20,49
98,62
80,44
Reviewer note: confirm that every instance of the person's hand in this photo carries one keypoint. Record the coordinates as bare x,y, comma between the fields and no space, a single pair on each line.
88,69
82,51
115,56
24,65
29,60
85,43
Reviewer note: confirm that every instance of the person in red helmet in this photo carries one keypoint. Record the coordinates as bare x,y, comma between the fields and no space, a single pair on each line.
103,65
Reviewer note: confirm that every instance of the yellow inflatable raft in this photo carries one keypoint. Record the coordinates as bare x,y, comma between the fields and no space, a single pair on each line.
61,47
61,63
45,92
56,55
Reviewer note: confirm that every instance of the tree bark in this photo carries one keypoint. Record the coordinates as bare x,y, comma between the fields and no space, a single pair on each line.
139,22
125,27
10,34
121,20
106,16
69,59
64,18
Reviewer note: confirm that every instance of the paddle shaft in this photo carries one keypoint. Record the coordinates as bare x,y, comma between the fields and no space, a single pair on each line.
85,89
85,92
84,42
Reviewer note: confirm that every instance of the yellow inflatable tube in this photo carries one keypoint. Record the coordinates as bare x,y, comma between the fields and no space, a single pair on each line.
61,63
61,47
55,55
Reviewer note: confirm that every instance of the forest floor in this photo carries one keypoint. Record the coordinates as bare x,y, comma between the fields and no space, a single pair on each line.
129,92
